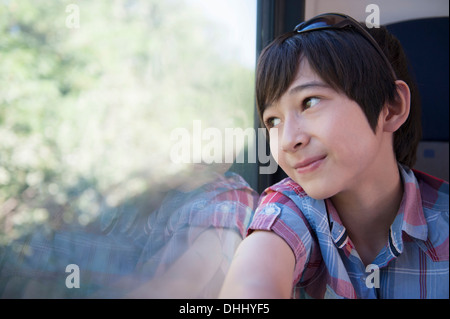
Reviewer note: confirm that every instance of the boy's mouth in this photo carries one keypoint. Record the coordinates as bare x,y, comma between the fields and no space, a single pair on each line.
309,164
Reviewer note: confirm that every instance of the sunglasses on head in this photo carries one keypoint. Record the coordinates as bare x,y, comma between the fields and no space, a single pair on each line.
340,21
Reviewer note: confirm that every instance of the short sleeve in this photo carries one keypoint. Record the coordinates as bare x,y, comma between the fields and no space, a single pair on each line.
278,213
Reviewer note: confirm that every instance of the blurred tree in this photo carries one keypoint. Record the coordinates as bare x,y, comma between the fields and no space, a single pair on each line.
86,112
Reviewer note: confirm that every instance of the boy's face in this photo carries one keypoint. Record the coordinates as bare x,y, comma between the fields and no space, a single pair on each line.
322,139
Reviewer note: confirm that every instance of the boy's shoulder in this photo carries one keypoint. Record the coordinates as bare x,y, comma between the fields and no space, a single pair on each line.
287,187
286,193
434,200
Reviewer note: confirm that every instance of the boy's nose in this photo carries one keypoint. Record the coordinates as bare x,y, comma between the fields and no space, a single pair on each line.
293,135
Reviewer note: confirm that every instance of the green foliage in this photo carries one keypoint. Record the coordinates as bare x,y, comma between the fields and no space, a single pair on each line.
86,113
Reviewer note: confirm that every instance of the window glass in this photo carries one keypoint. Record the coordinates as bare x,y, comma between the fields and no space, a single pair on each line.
110,110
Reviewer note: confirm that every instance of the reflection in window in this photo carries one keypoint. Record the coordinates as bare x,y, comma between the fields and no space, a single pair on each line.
90,94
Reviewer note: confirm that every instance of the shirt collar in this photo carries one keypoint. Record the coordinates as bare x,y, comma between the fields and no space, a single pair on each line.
410,217
338,231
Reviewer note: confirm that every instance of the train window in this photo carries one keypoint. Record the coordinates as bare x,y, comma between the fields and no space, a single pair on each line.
108,110
97,96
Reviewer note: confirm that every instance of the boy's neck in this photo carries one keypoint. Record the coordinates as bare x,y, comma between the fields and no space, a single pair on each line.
368,211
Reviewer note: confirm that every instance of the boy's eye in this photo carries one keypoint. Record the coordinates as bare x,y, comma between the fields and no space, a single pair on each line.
273,121
310,102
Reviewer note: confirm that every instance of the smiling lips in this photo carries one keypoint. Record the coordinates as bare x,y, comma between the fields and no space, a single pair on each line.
309,164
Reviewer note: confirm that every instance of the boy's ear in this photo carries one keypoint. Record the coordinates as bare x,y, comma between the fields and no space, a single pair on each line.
395,113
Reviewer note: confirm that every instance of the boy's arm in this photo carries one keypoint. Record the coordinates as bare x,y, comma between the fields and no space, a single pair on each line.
262,267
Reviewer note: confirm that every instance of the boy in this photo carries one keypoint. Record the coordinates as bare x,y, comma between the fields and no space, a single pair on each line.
352,220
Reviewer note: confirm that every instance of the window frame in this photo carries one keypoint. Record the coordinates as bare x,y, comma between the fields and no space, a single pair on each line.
274,17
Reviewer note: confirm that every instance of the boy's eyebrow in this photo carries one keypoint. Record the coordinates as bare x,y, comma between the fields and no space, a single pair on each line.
307,85
300,88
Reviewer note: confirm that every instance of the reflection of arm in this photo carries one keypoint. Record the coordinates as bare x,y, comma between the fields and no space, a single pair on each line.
193,271
262,268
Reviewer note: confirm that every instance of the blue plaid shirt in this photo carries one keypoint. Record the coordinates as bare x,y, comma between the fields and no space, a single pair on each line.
413,264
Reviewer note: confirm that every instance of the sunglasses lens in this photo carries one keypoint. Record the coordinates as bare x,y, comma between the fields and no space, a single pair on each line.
314,25
321,22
